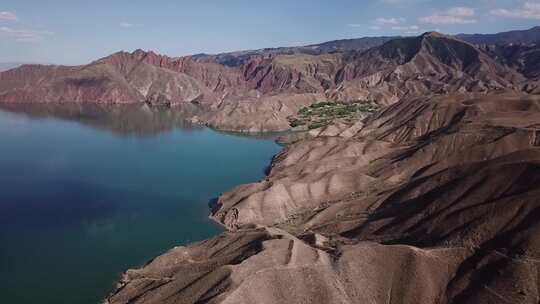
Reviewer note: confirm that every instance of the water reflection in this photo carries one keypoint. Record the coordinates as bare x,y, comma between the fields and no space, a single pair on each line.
123,120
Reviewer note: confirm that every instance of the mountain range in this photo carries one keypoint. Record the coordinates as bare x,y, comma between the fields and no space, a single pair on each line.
273,84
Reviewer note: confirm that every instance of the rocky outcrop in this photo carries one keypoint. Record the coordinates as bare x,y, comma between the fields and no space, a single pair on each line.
431,200
292,73
271,266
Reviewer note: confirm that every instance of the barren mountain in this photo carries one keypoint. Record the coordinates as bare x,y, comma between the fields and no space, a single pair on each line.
519,57
99,82
431,200
429,64
241,57
525,59
530,36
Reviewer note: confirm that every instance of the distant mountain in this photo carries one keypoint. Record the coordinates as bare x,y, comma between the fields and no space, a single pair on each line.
235,59
350,44
529,36
241,57
523,58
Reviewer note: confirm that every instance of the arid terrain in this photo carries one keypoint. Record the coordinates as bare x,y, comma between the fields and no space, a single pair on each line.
432,200
431,196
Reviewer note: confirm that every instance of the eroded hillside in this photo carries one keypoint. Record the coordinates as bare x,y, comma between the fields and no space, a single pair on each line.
431,200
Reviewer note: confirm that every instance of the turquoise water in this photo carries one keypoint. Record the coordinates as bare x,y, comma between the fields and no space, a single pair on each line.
79,204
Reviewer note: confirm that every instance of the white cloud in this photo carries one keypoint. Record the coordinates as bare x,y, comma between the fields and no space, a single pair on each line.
126,24
529,10
389,20
23,35
461,12
380,23
372,27
396,24
444,19
455,15
10,16
406,28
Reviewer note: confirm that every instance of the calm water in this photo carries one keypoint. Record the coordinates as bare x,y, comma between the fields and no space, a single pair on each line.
80,204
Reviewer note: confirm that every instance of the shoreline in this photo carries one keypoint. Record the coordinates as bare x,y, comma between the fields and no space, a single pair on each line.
189,113
121,282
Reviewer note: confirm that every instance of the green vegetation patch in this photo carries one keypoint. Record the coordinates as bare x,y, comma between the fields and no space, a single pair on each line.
324,113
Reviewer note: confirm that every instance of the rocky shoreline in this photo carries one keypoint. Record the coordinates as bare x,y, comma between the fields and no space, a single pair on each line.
431,200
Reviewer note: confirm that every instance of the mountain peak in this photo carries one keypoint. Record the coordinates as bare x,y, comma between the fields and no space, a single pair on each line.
434,35
139,52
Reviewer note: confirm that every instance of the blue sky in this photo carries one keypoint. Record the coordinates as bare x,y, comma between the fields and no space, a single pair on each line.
76,32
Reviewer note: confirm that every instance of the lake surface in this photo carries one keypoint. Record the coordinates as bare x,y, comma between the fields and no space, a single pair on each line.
82,202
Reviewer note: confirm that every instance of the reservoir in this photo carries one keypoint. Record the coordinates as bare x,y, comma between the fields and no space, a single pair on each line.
85,196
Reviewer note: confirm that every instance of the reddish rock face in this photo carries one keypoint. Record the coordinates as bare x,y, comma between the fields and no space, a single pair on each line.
299,73
214,77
